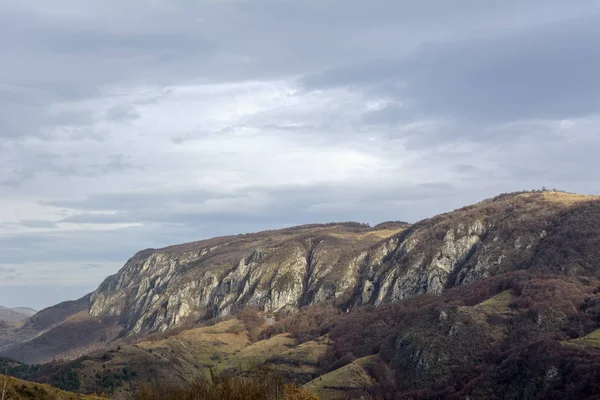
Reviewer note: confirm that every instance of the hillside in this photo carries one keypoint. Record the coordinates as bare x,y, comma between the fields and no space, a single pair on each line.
15,314
352,265
15,389
457,305
182,357
347,265
65,330
477,340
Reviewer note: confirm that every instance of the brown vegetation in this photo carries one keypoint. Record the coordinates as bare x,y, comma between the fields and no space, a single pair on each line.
307,324
15,389
260,384
504,334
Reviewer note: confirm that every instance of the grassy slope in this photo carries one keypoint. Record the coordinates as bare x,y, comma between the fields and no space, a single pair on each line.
22,390
189,354
591,339
565,199
353,376
498,306
176,359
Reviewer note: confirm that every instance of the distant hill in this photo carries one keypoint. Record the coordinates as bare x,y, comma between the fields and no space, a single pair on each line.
15,314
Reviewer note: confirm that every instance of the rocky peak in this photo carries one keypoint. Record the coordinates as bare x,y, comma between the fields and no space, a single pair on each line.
346,264
159,289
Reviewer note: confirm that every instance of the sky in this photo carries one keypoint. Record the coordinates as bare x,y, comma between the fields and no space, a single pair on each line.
130,124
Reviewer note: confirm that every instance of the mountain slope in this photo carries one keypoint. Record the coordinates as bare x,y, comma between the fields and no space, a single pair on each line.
347,265
499,297
350,265
15,314
476,340
285,269
15,389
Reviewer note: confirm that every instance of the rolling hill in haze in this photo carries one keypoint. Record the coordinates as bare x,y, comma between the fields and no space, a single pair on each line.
15,314
500,299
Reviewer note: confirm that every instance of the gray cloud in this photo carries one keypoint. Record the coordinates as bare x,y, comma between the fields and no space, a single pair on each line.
546,71
158,123
122,113
8,274
38,224
91,266
135,201
73,165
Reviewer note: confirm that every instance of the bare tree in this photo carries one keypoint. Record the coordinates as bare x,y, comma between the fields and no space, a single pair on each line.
6,385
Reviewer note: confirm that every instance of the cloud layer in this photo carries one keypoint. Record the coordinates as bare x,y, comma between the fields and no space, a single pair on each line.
128,125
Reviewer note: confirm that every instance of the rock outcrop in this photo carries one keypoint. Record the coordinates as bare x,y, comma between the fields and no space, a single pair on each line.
346,264
160,289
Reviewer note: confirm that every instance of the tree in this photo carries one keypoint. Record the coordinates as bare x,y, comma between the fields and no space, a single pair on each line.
6,385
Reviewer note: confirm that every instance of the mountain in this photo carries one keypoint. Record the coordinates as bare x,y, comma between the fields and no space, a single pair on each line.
160,289
349,264
15,314
499,297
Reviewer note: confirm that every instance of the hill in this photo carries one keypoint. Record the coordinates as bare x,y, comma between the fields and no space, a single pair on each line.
520,333
16,389
347,264
350,265
15,314
498,297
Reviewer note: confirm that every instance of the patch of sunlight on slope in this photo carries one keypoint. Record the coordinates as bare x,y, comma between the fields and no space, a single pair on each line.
591,339
379,234
498,303
257,353
204,346
566,199
498,306
353,376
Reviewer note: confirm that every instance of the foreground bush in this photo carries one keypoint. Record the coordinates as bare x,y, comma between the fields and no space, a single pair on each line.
260,385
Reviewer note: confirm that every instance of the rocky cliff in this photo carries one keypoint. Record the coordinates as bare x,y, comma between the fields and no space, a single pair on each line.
349,264
272,271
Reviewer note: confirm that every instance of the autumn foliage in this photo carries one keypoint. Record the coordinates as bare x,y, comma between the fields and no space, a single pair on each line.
260,384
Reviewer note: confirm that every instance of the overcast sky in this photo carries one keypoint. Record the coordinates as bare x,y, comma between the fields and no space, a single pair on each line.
129,124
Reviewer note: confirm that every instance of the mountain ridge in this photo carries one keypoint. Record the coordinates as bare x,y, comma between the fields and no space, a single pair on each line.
426,257
502,296
344,264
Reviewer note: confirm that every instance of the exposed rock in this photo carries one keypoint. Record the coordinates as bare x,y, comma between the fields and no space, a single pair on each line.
160,289
349,264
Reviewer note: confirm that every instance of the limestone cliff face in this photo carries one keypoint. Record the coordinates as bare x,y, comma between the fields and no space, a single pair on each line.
347,264
159,289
